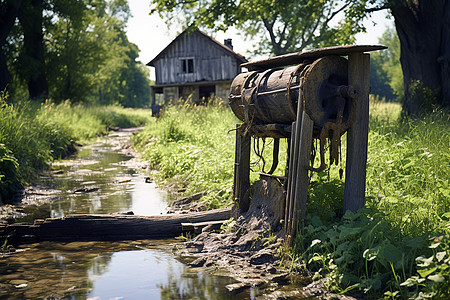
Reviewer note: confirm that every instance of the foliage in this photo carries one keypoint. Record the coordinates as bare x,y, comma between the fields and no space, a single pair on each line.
281,26
87,56
191,147
32,134
386,72
427,99
398,245
8,172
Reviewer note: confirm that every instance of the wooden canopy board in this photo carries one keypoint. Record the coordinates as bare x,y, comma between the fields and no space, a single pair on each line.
298,57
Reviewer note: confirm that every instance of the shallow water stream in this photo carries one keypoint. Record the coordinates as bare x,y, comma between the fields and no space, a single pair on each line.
104,178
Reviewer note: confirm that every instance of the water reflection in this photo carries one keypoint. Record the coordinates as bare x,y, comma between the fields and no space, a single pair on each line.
105,270
98,182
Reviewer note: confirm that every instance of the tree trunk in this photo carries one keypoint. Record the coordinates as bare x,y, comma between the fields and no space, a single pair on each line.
31,19
424,32
8,15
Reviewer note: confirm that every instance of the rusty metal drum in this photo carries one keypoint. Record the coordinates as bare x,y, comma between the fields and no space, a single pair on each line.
272,96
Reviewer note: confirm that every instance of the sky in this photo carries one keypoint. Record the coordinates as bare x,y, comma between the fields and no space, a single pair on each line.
151,34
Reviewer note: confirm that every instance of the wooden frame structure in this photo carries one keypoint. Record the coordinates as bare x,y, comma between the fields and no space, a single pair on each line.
302,136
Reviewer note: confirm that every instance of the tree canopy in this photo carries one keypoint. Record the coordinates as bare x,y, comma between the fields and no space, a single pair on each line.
282,26
77,50
386,77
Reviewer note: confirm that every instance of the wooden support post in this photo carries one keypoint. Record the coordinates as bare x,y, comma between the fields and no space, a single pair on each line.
301,140
302,179
153,99
242,171
290,186
357,134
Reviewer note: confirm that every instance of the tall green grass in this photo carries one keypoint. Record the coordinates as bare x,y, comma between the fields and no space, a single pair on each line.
397,247
192,149
32,134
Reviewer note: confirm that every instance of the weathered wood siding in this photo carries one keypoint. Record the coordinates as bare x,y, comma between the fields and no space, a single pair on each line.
223,90
211,62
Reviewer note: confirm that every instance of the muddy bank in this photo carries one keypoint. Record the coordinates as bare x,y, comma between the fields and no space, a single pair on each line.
250,247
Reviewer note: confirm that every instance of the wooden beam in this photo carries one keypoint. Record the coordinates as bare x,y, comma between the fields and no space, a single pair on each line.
357,134
242,171
302,179
107,227
290,185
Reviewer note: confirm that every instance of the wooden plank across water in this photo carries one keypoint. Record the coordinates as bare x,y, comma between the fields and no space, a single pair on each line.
107,227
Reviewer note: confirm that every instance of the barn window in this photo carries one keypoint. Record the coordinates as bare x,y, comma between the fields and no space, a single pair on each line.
187,65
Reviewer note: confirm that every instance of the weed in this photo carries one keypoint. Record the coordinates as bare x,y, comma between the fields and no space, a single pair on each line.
227,226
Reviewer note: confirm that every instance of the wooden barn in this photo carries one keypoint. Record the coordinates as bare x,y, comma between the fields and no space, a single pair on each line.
194,64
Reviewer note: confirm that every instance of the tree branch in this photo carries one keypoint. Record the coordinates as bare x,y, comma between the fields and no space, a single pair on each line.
373,9
269,27
336,12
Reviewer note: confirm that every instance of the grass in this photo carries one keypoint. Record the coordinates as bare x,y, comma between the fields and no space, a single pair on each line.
32,134
193,150
396,247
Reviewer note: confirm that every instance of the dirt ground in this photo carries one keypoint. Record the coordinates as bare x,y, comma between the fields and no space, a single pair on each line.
249,248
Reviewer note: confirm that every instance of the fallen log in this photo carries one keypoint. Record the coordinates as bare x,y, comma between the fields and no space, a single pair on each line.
107,227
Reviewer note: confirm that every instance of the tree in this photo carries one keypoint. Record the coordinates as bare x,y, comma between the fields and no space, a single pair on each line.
33,66
386,77
423,28
9,10
281,26
80,48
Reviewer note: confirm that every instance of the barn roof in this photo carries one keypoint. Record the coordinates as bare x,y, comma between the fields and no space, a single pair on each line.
239,57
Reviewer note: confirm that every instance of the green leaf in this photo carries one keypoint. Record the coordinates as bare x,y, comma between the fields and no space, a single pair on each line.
369,255
424,262
410,281
440,255
435,245
436,278
315,242
427,271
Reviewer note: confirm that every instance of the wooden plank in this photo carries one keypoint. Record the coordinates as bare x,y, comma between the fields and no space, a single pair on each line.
291,179
298,57
302,179
108,227
357,135
242,171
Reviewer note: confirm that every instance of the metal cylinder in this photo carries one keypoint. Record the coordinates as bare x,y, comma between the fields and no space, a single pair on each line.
262,96
272,96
